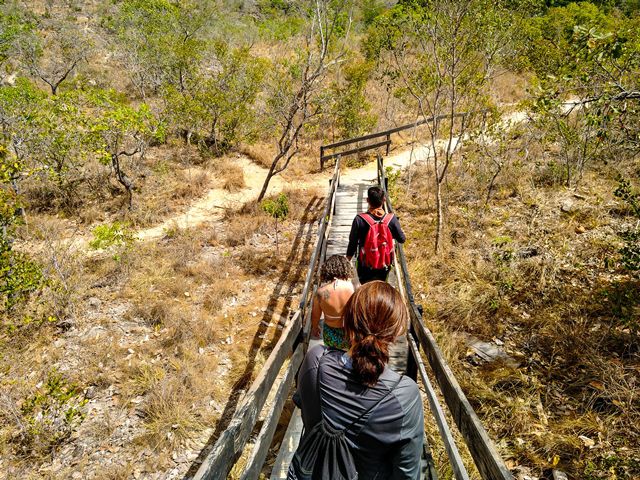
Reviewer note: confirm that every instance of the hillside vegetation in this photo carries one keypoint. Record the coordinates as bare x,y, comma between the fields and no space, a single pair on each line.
159,185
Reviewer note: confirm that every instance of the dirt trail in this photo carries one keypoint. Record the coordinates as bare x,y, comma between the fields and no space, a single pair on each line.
211,207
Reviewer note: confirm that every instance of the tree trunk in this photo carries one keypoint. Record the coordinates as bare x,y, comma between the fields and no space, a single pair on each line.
270,175
122,178
439,216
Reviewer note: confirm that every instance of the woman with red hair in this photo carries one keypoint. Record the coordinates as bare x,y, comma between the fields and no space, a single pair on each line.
356,397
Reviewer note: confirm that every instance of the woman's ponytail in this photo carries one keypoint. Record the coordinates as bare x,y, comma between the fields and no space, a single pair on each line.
369,356
373,317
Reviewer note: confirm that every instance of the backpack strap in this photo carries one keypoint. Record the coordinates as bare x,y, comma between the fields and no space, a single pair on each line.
387,219
326,350
367,218
369,410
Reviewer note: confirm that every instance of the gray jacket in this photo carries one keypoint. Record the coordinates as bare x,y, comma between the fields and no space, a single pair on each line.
387,443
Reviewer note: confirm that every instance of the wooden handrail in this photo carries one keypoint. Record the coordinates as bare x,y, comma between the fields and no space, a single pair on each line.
483,451
324,221
220,460
218,463
387,134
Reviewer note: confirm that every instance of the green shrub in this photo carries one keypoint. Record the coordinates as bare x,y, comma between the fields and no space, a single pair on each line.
116,236
630,252
51,414
278,208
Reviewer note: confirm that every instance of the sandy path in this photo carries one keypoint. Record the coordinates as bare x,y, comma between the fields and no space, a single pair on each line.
211,207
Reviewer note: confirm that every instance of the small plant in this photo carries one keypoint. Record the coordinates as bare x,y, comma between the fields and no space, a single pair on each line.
51,414
504,252
116,236
392,181
630,252
278,208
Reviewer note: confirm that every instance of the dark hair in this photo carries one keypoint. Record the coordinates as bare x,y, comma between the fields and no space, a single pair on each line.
373,317
375,195
336,266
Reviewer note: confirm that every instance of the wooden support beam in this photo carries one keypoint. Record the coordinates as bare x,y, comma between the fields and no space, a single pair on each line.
459,471
385,143
483,451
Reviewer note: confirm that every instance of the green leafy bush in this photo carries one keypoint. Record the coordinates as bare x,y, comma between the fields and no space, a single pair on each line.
278,208
115,236
630,252
19,275
51,414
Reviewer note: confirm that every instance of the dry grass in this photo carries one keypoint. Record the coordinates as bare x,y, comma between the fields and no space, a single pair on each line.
260,153
190,184
542,281
244,224
509,87
233,178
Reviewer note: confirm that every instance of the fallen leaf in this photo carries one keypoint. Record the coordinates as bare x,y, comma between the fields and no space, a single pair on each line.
587,441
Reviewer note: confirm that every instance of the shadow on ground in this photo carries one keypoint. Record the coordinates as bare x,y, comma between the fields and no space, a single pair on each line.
292,276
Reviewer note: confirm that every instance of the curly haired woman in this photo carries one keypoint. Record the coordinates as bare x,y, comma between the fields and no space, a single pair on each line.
335,290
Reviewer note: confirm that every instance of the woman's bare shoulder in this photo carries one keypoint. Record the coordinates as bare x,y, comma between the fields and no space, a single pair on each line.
324,292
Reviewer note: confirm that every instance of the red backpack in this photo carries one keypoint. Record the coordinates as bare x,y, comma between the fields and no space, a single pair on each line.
377,251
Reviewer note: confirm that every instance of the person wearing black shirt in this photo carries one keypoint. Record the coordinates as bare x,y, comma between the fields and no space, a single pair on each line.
360,228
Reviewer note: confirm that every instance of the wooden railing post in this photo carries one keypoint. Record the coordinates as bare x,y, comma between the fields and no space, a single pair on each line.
388,143
412,364
321,158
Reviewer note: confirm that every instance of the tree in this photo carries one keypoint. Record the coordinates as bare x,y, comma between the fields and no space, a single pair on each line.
19,106
19,275
44,134
588,97
630,252
350,109
13,25
295,84
53,52
278,208
163,42
216,106
117,131
441,54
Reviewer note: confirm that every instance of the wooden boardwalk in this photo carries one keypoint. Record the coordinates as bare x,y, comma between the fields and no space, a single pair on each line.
346,198
351,199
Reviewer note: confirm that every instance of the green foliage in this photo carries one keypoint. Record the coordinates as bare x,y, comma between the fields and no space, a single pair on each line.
217,108
116,236
630,252
118,130
51,414
116,126
351,109
392,183
278,207
582,54
371,9
13,24
279,19
19,275
163,41
616,466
